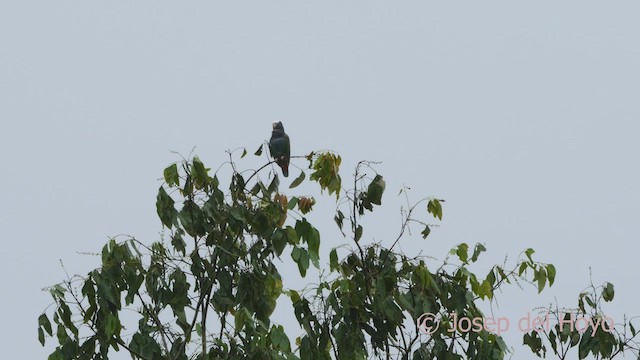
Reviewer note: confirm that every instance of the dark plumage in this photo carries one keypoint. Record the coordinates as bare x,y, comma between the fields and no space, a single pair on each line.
280,147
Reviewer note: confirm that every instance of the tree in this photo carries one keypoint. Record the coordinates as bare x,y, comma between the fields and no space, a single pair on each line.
208,290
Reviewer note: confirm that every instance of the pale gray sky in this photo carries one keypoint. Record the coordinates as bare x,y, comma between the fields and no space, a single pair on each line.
522,115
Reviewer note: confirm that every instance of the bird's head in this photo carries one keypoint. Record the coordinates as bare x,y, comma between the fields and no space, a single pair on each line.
277,126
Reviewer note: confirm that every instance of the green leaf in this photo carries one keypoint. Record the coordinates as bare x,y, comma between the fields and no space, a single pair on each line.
292,235
552,340
485,289
298,180
479,248
244,153
585,344
405,301
301,257
522,268
295,297
425,232
551,273
58,290
590,302
358,234
326,172
165,208
171,175
279,339
41,336
339,219
238,213
259,151
581,301
192,218
43,322
65,315
313,240
112,325
608,292
43,325
541,277
529,252
57,355
333,260
178,348
303,228
491,277
303,265
534,341
295,254
61,334
462,251
178,243
200,175
291,204
279,240
256,189
274,184
575,337
435,208
503,276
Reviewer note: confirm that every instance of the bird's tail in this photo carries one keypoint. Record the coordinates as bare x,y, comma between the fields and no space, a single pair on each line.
284,165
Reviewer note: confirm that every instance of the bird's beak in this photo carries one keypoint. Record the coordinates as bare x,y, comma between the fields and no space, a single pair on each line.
274,125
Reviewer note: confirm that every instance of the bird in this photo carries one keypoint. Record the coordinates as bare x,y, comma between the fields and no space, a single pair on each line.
280,147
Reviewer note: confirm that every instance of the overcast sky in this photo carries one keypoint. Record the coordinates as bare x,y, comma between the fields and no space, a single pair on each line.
523,116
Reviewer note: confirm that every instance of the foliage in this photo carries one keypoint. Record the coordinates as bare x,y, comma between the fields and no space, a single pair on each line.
586,327
209,289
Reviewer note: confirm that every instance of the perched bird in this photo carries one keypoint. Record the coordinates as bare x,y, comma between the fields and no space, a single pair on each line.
280,147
